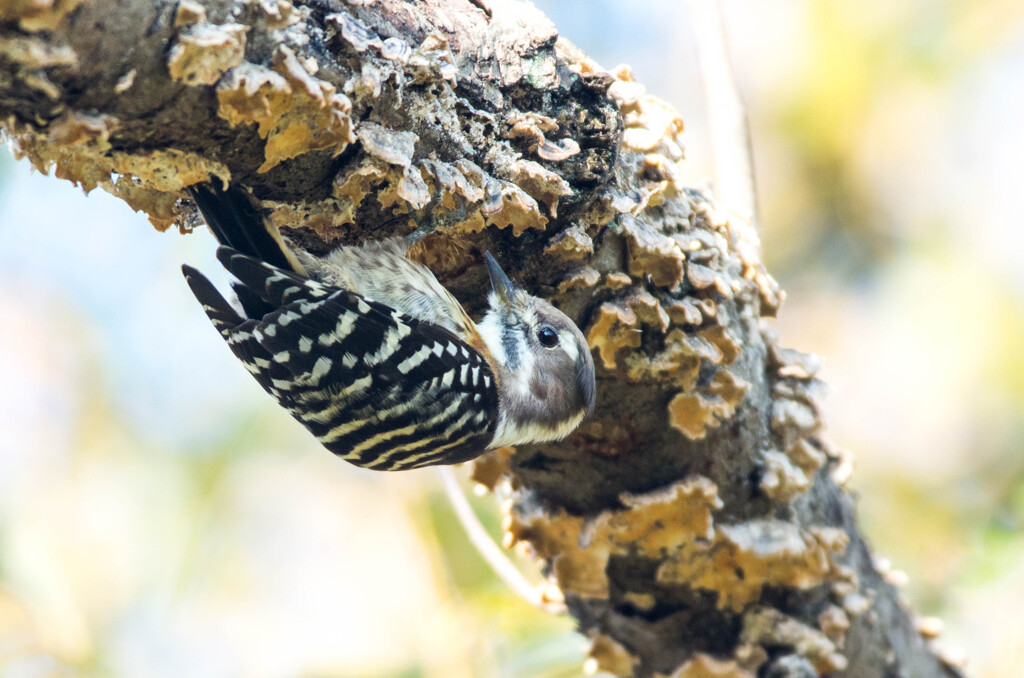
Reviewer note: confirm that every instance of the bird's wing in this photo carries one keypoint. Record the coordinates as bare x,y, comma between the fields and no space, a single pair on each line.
376,387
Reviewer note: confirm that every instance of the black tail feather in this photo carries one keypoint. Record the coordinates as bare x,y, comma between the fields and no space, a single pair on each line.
272,285
220,312
253,306
237,223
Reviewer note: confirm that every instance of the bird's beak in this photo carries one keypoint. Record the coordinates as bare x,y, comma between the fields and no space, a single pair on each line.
502,286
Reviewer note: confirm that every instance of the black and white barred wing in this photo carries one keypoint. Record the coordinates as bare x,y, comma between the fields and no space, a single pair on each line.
376,387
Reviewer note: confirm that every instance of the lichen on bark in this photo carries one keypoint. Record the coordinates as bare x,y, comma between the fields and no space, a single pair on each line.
696,524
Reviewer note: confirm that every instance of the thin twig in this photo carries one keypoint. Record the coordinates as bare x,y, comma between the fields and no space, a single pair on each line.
492,554
727,118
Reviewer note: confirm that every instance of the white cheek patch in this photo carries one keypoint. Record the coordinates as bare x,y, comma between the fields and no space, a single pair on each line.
490,332
516,380
511,433
522,374
570,346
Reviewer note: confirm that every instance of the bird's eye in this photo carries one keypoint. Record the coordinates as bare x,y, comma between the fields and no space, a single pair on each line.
547,336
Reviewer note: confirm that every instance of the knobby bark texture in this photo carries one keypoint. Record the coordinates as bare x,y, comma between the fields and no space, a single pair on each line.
696,524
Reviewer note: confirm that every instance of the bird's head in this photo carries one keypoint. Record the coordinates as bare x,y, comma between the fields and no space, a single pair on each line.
544,368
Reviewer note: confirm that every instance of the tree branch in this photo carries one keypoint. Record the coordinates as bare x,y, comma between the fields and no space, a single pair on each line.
698,518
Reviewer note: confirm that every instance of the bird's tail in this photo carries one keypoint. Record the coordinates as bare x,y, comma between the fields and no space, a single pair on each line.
237,223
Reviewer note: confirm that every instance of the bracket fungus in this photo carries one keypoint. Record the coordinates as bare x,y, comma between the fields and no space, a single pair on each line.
203,51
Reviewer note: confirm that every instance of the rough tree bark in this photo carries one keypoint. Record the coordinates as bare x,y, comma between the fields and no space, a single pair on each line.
696,525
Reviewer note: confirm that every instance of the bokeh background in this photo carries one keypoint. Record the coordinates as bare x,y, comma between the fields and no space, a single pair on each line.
159,516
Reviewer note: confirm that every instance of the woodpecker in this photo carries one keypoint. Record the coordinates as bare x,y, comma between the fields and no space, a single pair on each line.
368,351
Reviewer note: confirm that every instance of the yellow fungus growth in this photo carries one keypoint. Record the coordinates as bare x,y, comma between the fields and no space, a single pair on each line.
540,183
685,311
203,52
782,479
316,118
706,666
489,469
767,626
279,13
648,309
251,93
653,525
614,327
651,253
834,623
295,112
391,146
641,601
693,413
37,15
617,280
609,656
579,279
74,127
571,244
745,557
